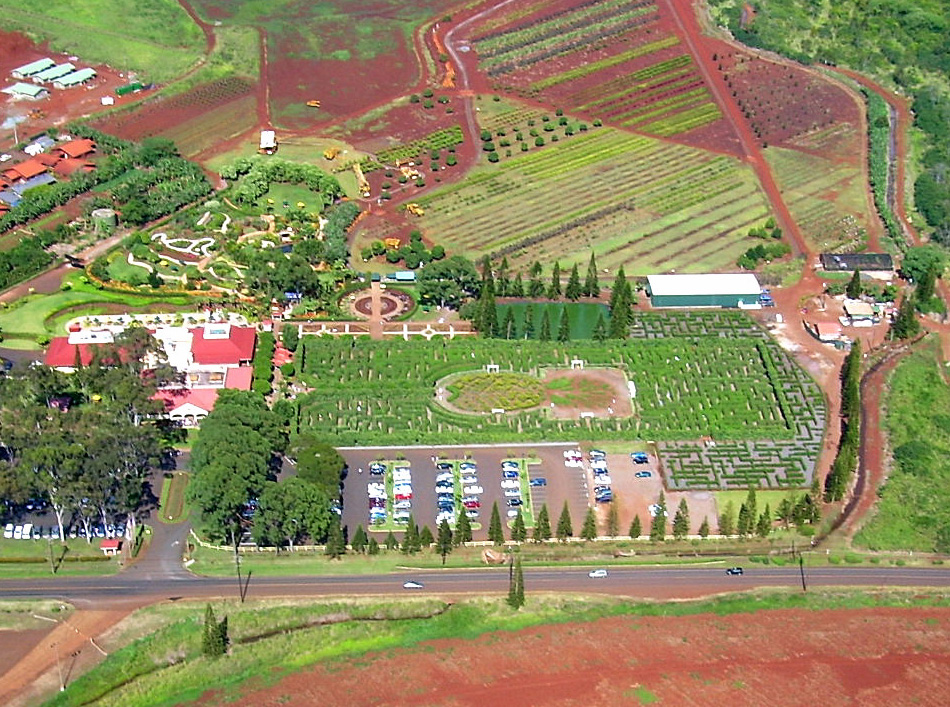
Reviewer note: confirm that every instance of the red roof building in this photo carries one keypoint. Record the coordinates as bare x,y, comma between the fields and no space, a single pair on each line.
63,355
24,170
239,378
67,167
187,405
46,159
223,345
76,148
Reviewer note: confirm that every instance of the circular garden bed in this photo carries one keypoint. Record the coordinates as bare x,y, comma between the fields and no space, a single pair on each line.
484,392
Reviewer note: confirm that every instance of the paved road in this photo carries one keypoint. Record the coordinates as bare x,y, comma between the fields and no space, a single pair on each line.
142,588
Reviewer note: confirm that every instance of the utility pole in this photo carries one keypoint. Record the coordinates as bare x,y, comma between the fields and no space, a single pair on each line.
801,568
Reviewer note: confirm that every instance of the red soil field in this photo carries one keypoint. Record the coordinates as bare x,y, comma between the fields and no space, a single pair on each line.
778,657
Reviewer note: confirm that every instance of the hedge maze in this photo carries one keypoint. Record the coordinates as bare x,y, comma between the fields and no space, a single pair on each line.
698,375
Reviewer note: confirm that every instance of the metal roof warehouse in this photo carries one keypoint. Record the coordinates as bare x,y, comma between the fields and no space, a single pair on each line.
704,290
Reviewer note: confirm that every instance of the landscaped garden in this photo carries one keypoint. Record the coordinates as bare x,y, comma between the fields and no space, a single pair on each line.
730,382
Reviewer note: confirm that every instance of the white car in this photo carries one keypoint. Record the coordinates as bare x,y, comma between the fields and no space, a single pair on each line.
510,466
470,480
402,476
513,493
8,531
376,487
398,469
27,532
602,479
445,476
413,585
511,484
655,508
447,516
597,574
468,466
5,157
473,490
402,505
512,512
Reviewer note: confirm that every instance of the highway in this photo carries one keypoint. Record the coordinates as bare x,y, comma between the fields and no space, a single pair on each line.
644,582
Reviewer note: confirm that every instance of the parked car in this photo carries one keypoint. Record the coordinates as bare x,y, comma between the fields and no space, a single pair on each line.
602,479
606,498
472,490
513,502
513,493
18,532
654,508
598,465
734,571
402,505
377,469
539,481
643,474
508,474
471,512
468,466
445,476
443,466
510,466
403,496
597,574
640,457
510,484
597,454
411,584
472,504
27,532
444,488
8,531
377,503
470,479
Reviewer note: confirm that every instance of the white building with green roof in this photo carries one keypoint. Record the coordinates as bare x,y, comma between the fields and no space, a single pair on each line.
53,73
76,78
34,67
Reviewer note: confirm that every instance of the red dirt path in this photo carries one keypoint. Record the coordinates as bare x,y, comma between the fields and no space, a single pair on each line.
782,657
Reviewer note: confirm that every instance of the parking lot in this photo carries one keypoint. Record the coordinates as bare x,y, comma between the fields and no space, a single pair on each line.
562,484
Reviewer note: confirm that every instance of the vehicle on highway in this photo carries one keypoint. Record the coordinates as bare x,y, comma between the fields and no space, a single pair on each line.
597,574
734,571
540,481
643,474
411,584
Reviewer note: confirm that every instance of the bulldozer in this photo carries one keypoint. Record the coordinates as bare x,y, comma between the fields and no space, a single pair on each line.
330,153
415,209
313,104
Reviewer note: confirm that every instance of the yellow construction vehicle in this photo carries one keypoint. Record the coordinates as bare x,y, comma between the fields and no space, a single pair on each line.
313,104
415,209
330,153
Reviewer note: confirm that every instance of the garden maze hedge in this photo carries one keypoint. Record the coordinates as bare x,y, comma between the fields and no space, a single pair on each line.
697,374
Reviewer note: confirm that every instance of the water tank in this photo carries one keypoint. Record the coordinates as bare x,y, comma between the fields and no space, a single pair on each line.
104,218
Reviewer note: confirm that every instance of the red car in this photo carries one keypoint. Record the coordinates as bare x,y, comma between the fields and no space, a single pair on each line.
472,504
403,496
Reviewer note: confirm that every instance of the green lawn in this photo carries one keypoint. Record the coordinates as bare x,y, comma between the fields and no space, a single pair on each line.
156,38
914,510
172,507
31,558
583,316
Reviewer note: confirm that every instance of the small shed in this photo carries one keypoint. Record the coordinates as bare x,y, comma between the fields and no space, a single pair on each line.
76,78
111,546
704,290
26,90
827,331
34,67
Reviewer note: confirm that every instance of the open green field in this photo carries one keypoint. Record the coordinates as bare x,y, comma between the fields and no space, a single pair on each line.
155,38
31,558
914,509
635,201
273,638
731,381
172,506
33,315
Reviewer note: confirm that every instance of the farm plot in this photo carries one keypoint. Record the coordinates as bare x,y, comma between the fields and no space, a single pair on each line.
727,381
198,117
827,198
631,199
630,71
782,101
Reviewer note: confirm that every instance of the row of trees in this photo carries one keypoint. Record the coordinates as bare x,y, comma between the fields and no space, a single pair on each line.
88,440
836,483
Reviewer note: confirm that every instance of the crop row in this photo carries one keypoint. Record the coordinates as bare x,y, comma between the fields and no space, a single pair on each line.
560,46
610,91
607,63
438,140
685,121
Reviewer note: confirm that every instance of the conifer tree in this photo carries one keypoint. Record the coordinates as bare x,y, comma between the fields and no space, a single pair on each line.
589,529
658,524
517,286
335,546
518,532
487,317
727,520
463,530
503,281
444,542
536,285
565,528
425,538
745,523
854,289
554,291
542,525
391,542
508,329
681,521
613,520
544,334
620,303
764,525
516,586
905,325
495,532
636,528
591,284
410,539
528,321
573,291
359,540
600,328
564,329
372,548
704,528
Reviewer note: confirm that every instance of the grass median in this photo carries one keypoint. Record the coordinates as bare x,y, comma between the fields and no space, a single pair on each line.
172,507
